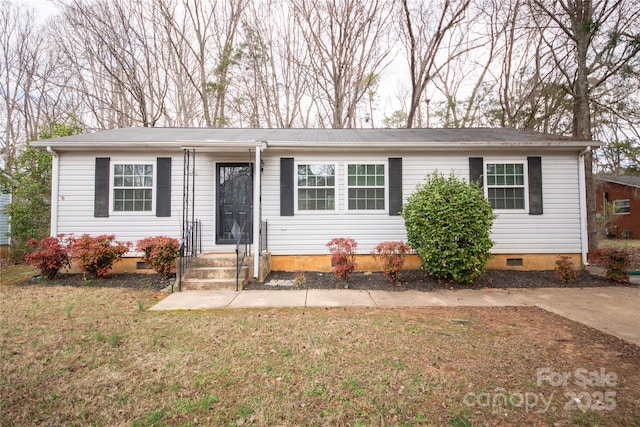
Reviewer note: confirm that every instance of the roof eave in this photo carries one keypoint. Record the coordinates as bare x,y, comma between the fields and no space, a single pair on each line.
234,146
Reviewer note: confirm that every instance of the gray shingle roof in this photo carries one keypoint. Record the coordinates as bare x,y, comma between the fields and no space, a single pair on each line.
308,138
141,134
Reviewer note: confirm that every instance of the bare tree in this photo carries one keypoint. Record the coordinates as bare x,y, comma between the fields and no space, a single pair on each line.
271,78
424,25
591,42
465,80
346,40
187,29
119,58
31,80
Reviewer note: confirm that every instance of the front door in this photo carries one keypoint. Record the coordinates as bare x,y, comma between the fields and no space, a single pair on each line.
235,203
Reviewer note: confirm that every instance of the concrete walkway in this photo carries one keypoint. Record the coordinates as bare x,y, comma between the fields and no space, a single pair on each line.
614,310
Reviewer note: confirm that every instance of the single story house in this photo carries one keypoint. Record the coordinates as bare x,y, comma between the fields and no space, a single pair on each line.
618,205
287,192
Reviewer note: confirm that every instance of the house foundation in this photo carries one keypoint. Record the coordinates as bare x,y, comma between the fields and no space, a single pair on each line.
525,262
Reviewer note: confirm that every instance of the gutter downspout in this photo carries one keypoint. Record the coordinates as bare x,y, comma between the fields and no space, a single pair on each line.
256,212
584,236
55,174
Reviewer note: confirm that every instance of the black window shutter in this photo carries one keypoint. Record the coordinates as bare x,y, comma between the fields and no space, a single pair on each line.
101,194
286,186
395,186
476,170
534,165
163,193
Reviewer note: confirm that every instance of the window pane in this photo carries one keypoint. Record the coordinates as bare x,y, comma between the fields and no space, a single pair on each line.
133,192
366,187
315,187
505,184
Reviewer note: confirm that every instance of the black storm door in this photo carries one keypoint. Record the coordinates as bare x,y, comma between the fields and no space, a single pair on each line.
234,202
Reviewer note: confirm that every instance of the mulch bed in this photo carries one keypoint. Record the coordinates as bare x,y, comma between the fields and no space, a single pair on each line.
419,280
115,280
411,279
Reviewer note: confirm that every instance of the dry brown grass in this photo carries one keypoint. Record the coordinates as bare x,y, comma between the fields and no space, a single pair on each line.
75,356
620,243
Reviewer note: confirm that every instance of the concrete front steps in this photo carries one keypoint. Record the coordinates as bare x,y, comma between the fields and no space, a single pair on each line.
215,271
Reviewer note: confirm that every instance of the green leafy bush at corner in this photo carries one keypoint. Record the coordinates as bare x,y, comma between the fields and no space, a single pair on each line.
391,256
343,258
160,252
615,262
565,270
48,255
29,210
96,255
448,222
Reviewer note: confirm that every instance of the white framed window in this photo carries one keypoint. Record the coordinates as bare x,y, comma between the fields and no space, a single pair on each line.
506,185
366,186
133,187
316,184
621,207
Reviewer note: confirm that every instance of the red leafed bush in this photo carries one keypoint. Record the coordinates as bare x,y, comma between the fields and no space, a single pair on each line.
96,255
565,269
615,262
343,256
48,255
391,256
160,252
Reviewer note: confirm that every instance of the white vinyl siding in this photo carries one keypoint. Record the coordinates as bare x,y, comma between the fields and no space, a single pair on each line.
5,199
76,199
514,231
556,231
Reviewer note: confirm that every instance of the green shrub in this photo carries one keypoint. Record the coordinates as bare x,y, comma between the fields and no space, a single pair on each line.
343,256
160,252
48,255
448,222
96,255
390,256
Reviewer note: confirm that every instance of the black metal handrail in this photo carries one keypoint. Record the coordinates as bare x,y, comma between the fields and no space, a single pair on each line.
190,246
239,260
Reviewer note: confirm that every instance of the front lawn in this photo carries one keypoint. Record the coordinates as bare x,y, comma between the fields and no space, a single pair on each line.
95,356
